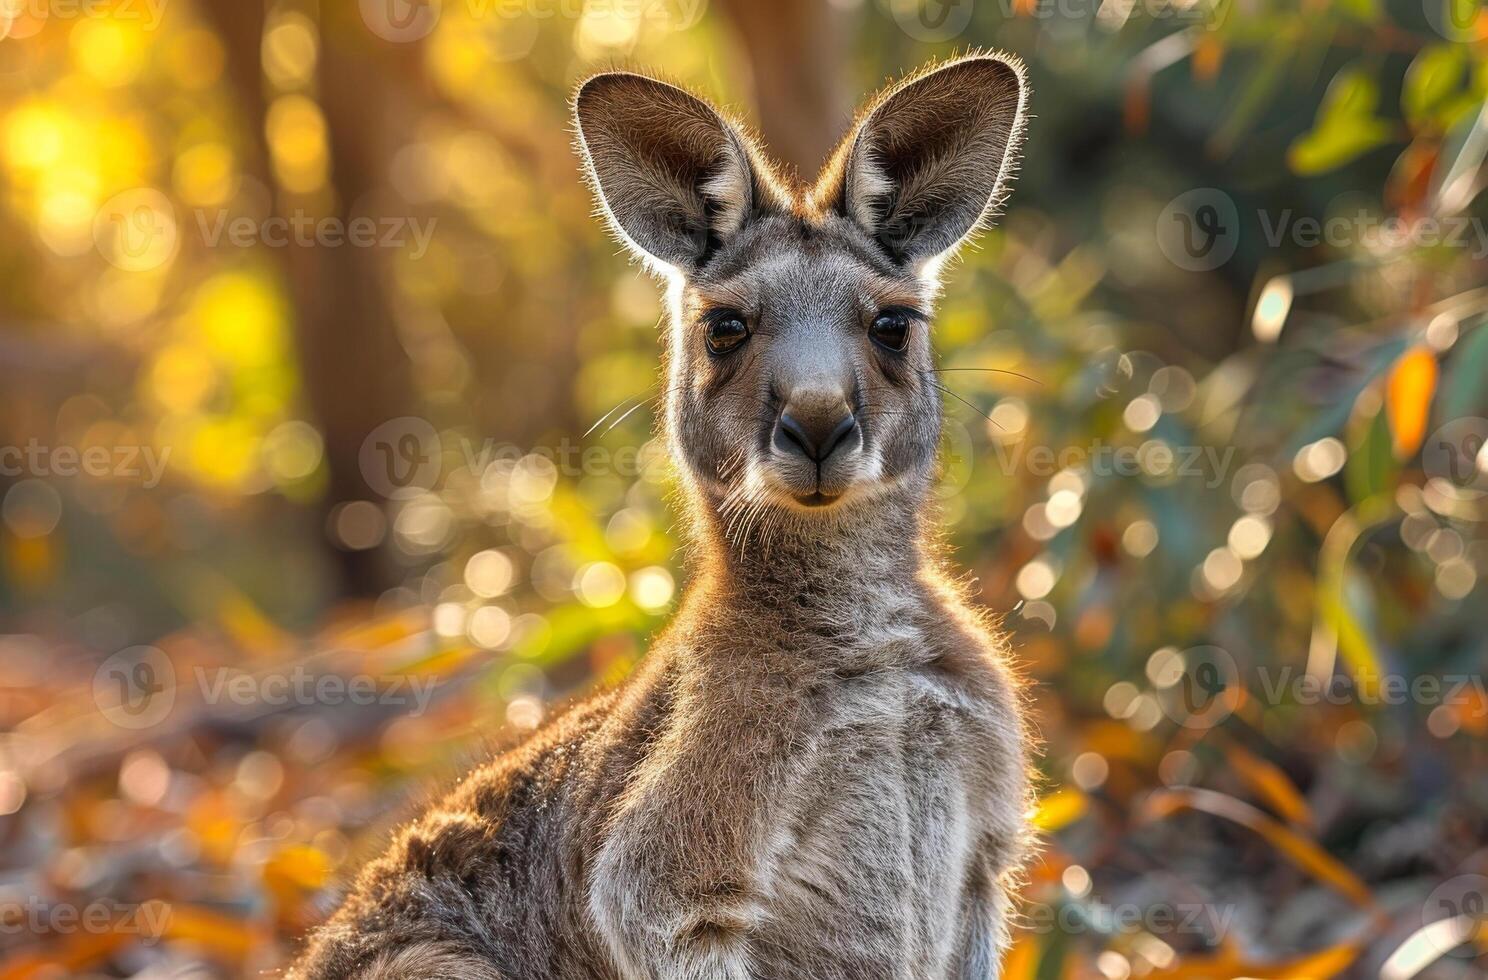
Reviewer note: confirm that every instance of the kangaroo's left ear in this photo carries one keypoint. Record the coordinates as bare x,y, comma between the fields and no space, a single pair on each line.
930,161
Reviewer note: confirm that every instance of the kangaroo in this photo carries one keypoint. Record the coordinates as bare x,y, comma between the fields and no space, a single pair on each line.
820,770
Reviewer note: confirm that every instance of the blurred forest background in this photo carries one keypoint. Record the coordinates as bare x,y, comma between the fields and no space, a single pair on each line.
306,316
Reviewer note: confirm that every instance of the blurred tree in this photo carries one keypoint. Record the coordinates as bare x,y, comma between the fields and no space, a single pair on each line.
356,374
797,53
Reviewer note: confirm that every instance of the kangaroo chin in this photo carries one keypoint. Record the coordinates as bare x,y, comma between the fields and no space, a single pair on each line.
820,769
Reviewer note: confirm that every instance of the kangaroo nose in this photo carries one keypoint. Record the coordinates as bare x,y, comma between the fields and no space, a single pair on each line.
816,435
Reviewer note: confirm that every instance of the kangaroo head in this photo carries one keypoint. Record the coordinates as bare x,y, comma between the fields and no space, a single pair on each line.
799,353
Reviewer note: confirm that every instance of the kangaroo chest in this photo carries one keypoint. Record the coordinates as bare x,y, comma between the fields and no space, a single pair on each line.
880,831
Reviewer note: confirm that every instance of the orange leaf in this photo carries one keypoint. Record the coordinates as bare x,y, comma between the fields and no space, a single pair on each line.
1023,958
1137,105
1408,394
1271,784
1330,962
1059,809
1208,57
1301,851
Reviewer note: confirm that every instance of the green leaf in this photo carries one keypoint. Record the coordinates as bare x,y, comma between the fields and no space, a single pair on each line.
1458,17
1353,93
1329,148
1346,126
1372,469
1434,75
1365,10
1457,109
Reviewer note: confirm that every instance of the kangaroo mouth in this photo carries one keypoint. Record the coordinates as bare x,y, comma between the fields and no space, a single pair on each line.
817,499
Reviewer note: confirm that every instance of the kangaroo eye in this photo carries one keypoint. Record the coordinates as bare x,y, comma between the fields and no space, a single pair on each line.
890,330
727,332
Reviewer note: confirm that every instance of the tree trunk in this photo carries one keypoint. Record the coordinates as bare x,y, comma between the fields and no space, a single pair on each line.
797,51
354,371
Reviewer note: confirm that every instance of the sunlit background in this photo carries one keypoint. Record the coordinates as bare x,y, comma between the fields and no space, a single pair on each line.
307,324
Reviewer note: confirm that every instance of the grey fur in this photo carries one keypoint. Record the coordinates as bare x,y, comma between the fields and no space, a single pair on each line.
820,769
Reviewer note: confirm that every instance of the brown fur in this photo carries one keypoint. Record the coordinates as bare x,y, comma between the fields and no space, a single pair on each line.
819,771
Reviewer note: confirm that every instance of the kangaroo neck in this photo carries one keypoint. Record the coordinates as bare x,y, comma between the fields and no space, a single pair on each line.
806,571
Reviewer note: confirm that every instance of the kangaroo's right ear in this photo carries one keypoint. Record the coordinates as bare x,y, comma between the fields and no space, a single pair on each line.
674,177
